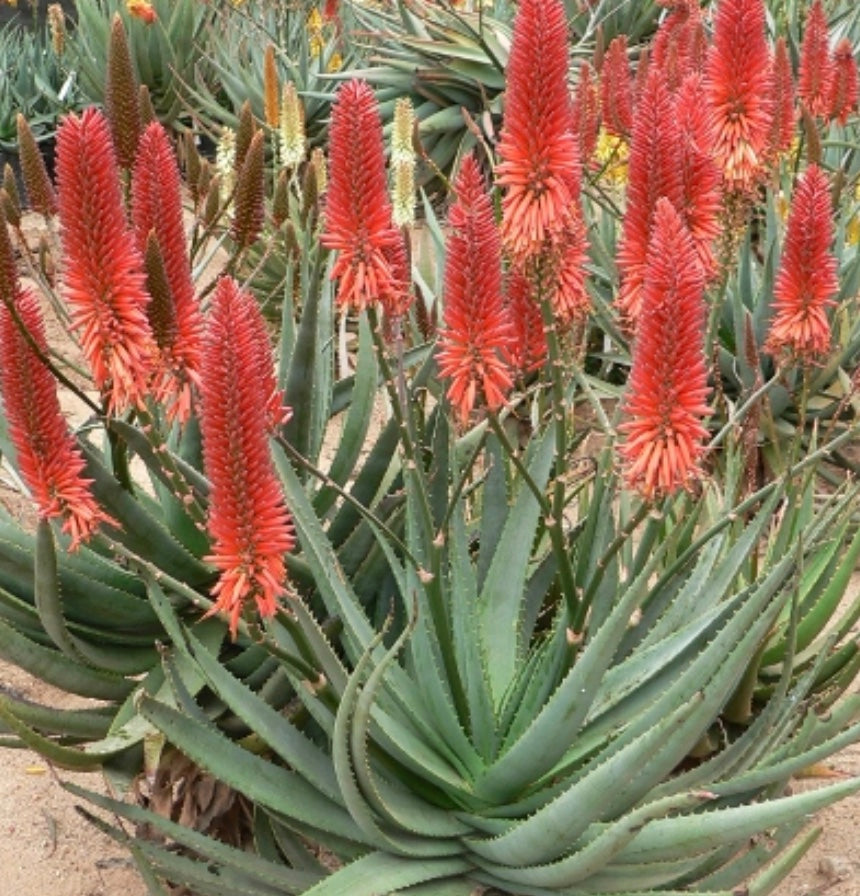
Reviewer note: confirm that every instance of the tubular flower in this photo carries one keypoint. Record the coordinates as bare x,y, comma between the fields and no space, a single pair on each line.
176,323
784,116
104,282
540,168
248,521
815,73
806,280
475,336
666,398
528,349
616,89
49,460
358,221
843,87
653,172
702,200
739,85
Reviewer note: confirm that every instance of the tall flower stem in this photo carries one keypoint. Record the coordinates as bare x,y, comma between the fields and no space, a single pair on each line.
559,415
621,539
434,541
553,521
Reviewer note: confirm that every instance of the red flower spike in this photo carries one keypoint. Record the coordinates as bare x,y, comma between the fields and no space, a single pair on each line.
680,44
784,114
586,111
278,412
843,89
570,299
50,462
653,171
358,220
739,85
540,168
806,281
157,209
475,335
103,278
701,204
815,73
248,521
616,89
668,387
528,349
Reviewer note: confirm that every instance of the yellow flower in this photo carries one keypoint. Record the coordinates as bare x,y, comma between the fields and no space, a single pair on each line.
611,157
293,142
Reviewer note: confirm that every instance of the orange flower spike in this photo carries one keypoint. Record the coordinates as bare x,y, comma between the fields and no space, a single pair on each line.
815,74
586,111
528,349
177,327
668,386
806,280
653,171
475,335
739,84
680,44
540,166
248,521
104,283
271,88
570,300
702,198
616,89
358,222
50,462
784,114
844,88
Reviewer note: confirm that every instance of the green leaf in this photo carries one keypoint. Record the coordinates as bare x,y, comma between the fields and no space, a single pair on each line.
380,872
50,609
60,670
500,600
284,791
239,860
665,839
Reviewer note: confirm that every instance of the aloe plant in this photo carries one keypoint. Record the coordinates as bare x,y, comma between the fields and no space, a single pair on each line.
491,664
167,52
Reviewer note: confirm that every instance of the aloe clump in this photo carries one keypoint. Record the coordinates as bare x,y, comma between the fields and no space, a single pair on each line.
426,605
